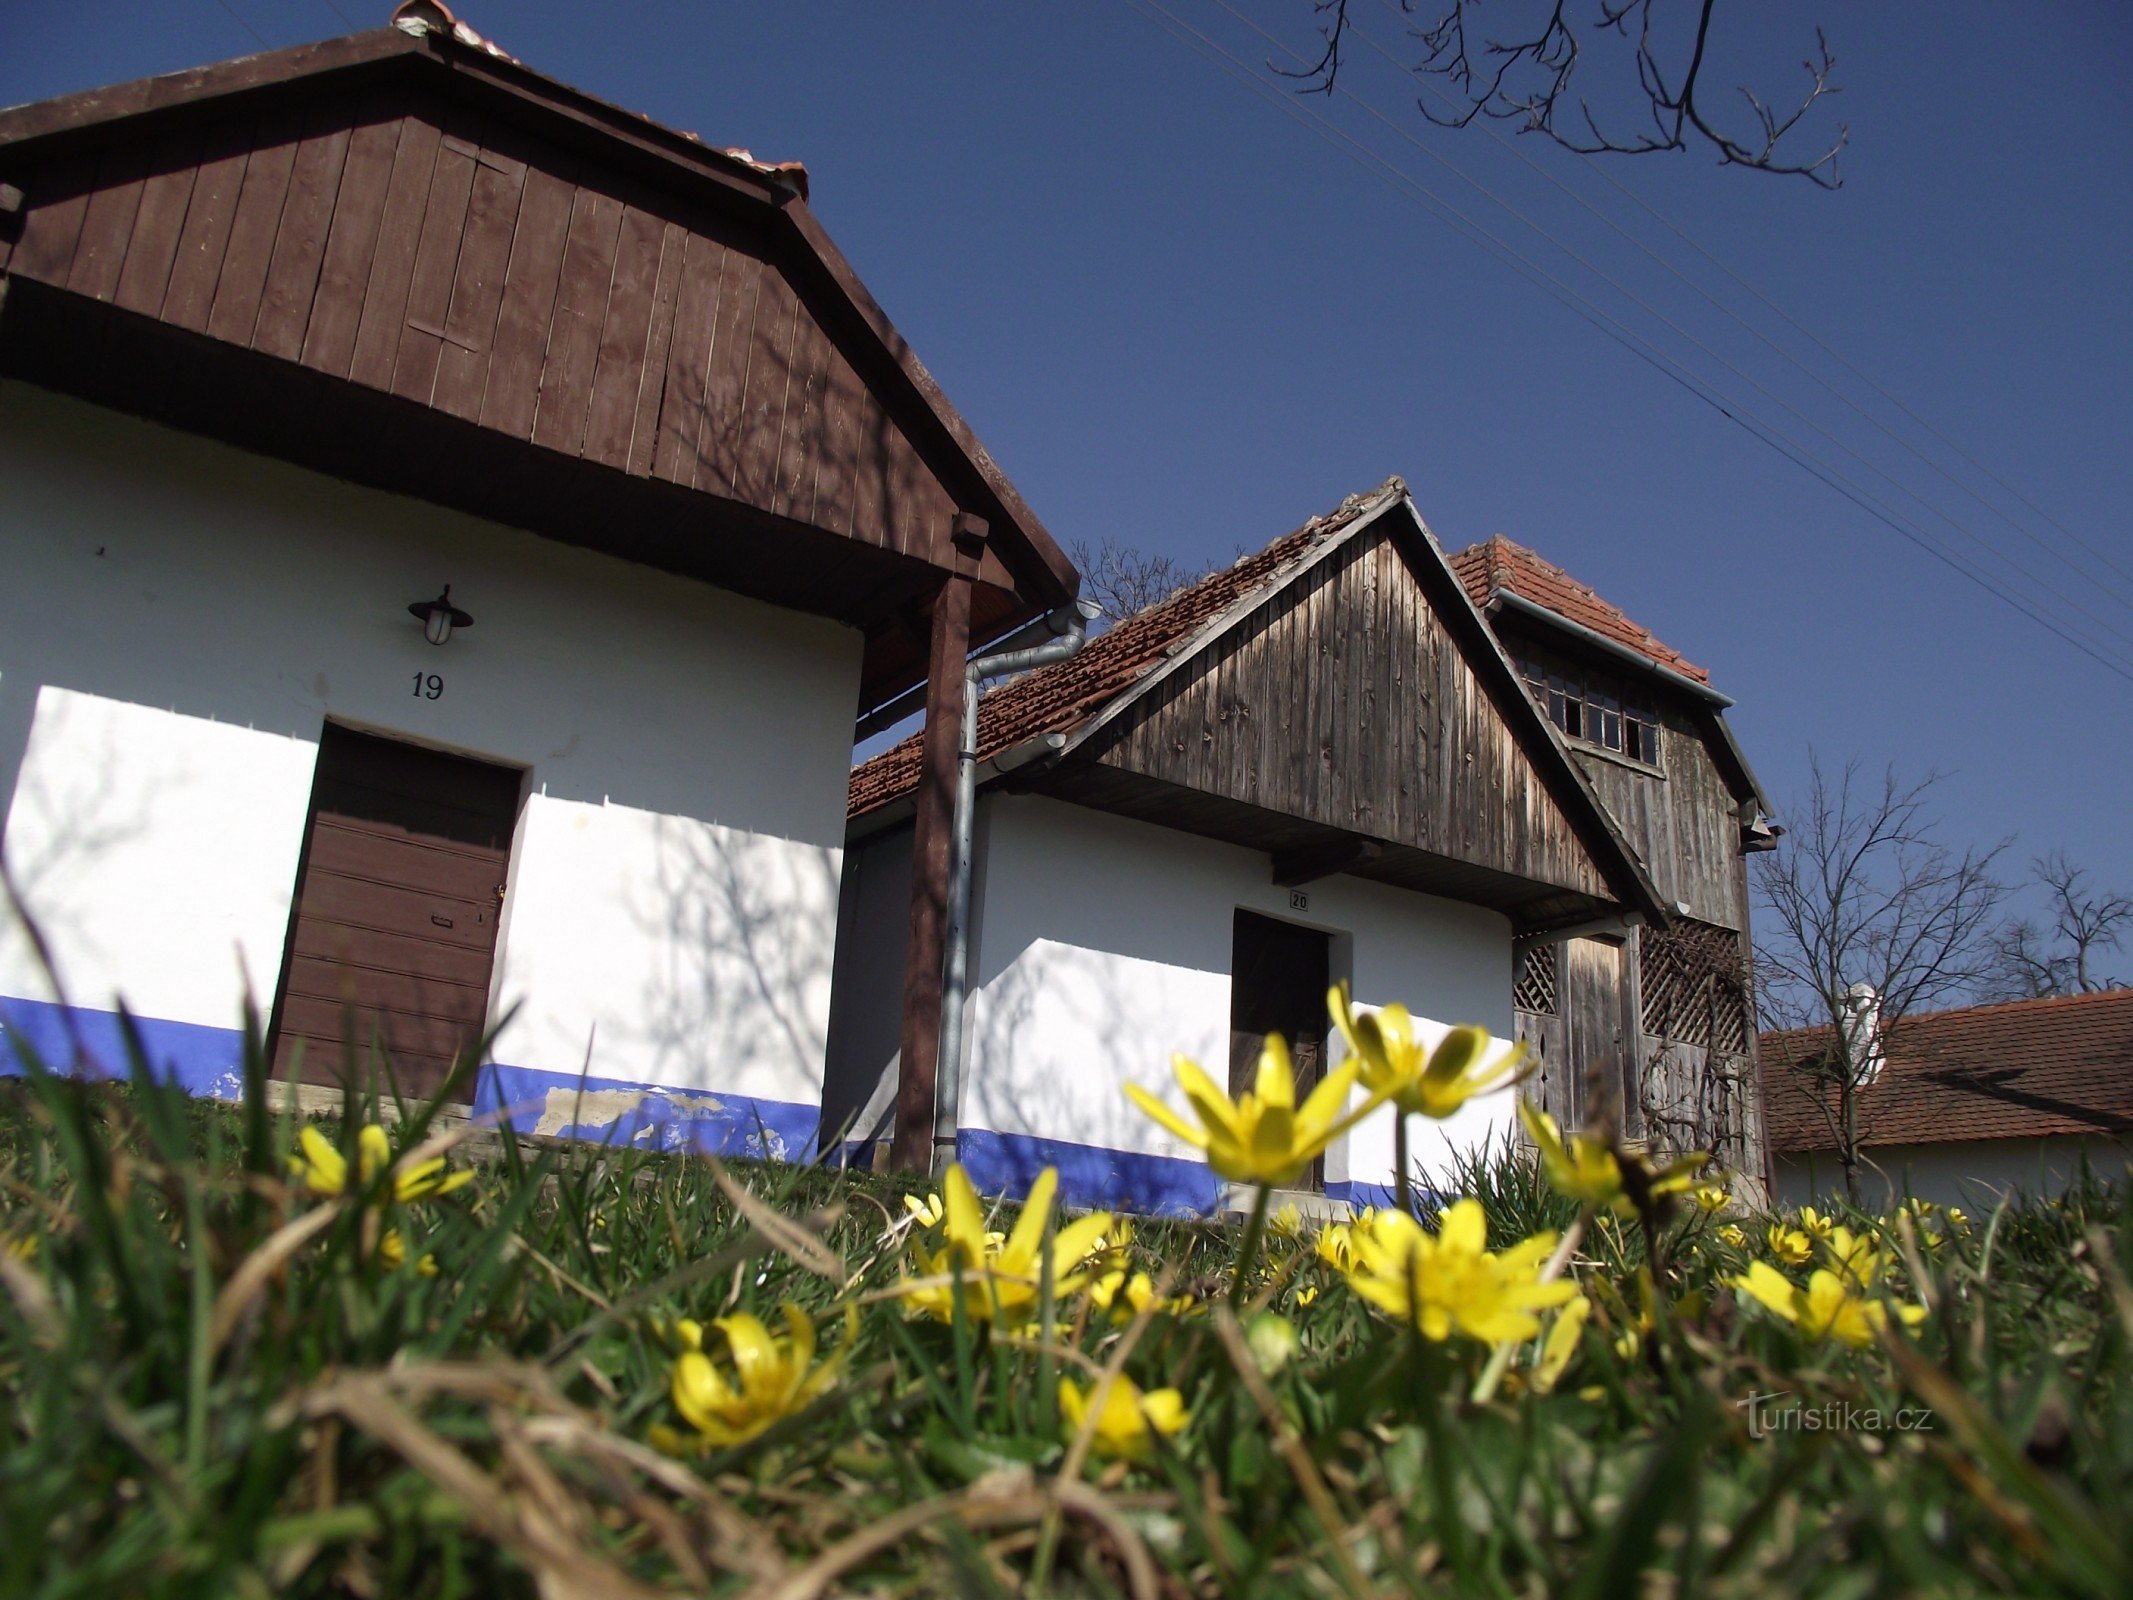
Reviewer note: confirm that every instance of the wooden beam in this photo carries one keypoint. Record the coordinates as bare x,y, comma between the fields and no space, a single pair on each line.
1311,862
933,824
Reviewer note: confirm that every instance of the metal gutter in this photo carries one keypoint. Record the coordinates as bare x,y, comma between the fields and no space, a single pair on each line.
1507,600
1069,626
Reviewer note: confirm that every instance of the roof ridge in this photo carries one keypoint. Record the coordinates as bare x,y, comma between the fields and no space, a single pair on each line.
1501,563
2123,993
1116,660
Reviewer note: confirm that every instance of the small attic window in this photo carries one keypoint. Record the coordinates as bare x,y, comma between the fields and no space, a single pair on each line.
1593,710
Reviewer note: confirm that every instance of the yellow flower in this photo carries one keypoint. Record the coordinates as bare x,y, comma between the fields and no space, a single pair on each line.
1579,1167
392,1252
1790,1245
1001,1280
1712,1197
1396,1066
1127,1297
771,1378
1263,1137
1287,1223
23,1247
1834,1305
1127,1426
1814,1224
1564,1336
927,1211
1955,1218
1733,1235
1336,1245
325,1170
1450,1280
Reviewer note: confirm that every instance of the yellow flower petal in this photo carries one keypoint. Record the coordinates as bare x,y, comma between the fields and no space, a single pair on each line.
1170,1120
1276,1083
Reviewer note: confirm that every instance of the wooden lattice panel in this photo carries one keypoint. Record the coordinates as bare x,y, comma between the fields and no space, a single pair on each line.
1694,986
1536,990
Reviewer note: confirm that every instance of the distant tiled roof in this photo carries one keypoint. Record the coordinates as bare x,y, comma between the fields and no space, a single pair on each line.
1058,699
2027,1069
1500,563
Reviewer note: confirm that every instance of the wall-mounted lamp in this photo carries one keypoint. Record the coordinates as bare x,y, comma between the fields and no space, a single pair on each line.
440,617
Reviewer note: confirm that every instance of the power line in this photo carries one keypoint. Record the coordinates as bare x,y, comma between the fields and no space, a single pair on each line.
2049,594
1516,149
1739,415
237,18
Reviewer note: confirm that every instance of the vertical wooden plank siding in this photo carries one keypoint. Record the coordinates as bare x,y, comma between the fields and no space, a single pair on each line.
470,321
771,388
206,233
870,490
392,264
351,240
253,229
716,465
437,248
843,407
300,243
681,405
625,335
107,225
580,311
527,306
652,373
157,227
794,494
58,201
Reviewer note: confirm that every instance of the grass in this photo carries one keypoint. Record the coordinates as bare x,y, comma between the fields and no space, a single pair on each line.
209,1384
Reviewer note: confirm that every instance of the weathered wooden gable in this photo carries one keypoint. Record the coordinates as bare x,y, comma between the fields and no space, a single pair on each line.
454,259
1682,820
1348,700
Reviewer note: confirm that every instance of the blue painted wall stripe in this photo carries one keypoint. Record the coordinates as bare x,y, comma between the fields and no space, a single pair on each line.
76,1039
210,1062
662,1117
1122,1180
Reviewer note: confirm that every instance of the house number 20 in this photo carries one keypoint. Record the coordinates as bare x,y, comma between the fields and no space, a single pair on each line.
429,686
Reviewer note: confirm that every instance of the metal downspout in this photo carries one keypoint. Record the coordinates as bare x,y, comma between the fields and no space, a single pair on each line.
1071,624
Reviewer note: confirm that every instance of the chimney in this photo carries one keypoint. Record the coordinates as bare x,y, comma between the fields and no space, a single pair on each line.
1862,1033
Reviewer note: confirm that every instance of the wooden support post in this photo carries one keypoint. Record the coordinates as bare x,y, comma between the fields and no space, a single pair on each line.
919,1057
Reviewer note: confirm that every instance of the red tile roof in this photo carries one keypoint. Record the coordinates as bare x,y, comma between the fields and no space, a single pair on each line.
1500,563
1058,699
2026,1069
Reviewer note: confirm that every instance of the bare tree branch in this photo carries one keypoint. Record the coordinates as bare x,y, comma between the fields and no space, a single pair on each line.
1864,896
1122,579
1526,75
2034,963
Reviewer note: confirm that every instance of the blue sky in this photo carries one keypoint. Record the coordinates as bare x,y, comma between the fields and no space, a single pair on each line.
1182,319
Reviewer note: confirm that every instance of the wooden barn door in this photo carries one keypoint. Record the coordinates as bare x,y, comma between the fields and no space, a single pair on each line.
1278,978
1592,1010
397,903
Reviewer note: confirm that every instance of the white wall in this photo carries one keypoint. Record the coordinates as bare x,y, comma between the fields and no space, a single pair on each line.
1104,944
177,621
1971,1173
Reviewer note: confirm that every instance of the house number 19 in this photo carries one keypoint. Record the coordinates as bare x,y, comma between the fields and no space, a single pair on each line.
429,686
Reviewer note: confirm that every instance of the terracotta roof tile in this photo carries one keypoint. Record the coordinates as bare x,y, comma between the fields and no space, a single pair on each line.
1500,563
1059,698
2026,1069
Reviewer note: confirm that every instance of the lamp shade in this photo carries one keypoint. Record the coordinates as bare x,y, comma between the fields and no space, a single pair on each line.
440,617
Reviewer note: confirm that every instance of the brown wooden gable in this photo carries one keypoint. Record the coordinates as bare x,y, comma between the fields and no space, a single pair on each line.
459,236
1344,700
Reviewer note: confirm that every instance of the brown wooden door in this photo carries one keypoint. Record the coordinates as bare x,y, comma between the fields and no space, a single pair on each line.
1278,978
1592,1010
397,902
